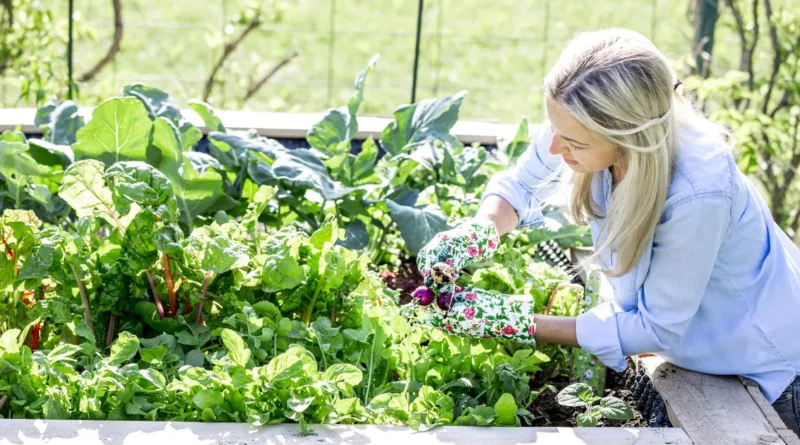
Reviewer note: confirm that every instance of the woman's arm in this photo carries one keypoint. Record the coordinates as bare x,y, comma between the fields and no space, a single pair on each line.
557,330
499,211
515,197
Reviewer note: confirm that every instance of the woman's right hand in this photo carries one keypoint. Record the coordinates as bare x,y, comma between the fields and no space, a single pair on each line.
441,260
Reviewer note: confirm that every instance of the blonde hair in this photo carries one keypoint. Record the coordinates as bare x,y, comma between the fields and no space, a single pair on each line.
619,85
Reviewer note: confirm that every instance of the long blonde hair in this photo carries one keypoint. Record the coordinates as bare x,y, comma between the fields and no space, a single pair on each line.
619,85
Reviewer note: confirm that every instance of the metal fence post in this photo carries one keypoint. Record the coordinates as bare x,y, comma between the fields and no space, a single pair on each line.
416,52
69,51
545,37
331,46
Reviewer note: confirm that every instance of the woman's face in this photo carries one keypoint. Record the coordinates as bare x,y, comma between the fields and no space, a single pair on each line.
583,150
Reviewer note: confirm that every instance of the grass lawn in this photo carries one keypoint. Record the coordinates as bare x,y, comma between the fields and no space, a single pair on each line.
498,50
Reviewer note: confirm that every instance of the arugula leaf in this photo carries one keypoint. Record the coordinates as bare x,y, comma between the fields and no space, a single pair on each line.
506,409
237,350
124,348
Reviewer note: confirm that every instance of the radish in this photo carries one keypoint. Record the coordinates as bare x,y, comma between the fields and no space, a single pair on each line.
444,301
423,296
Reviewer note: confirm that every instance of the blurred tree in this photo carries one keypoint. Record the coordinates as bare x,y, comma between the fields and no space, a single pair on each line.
30,45
760,103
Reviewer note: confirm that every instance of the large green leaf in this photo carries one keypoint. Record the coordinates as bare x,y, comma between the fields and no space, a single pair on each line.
301,168
159,104
233,150
21,172
208,398
331,135
60,122
206,112
356,235
50,154
196,193
417,123
364,162
418,225
119,131
84,188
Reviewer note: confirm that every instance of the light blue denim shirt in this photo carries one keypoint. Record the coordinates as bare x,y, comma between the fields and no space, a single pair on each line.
717,289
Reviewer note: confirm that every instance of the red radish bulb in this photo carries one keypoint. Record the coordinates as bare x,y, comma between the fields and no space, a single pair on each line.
444,301
423,296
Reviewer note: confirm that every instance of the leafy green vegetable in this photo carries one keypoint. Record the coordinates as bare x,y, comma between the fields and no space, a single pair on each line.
119,131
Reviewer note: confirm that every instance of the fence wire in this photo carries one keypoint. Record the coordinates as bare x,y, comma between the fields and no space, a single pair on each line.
498,51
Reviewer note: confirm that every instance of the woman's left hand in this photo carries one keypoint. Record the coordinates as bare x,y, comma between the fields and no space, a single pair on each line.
472,312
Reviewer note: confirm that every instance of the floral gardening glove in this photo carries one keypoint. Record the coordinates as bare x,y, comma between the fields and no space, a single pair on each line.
448,252
473,312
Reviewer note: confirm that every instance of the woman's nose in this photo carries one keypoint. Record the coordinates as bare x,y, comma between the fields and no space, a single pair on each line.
557,145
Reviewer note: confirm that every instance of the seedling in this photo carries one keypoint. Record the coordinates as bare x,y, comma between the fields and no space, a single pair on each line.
581,395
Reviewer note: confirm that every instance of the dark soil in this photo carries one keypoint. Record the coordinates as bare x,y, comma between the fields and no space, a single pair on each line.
548,412
406,279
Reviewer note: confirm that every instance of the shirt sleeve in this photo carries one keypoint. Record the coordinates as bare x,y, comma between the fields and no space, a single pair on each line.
530,181
685,248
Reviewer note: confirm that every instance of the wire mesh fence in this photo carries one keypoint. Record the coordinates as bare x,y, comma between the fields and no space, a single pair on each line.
496,50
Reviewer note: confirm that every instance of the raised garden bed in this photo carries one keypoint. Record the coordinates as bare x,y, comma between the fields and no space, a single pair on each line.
306,329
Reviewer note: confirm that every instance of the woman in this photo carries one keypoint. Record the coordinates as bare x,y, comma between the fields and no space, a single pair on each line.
700,272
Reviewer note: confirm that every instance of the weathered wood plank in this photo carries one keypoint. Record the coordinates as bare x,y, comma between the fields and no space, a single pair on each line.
284,125
65,432
711,409
769,412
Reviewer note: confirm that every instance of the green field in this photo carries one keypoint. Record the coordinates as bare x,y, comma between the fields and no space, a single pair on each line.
497,50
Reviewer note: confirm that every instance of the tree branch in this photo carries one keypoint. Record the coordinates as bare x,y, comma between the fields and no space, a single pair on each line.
9,7
777,59
786,99
115,45
227,51
254,88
